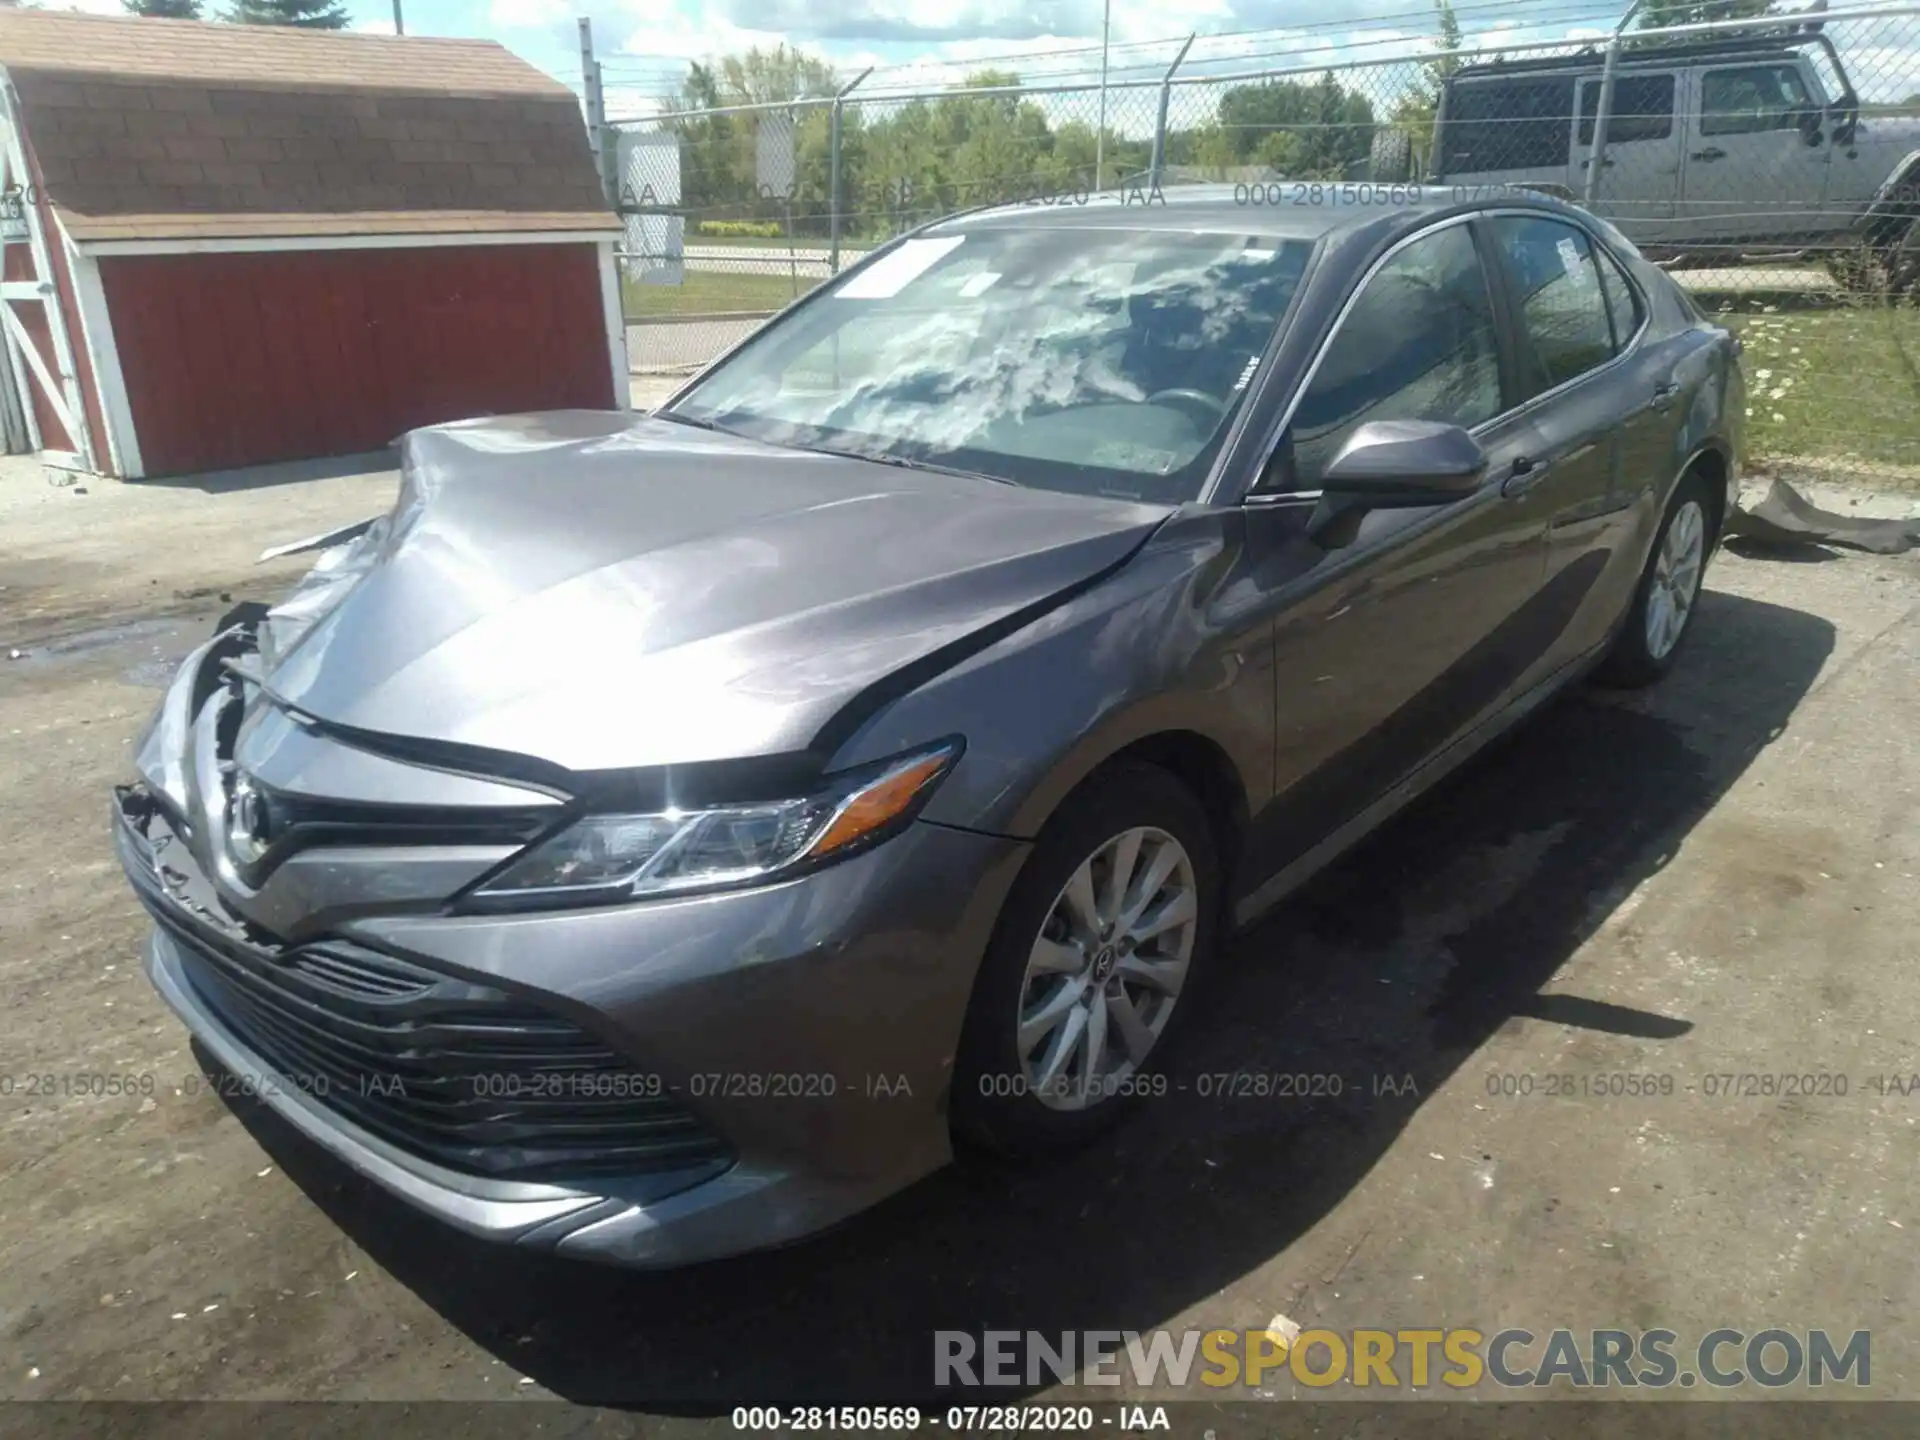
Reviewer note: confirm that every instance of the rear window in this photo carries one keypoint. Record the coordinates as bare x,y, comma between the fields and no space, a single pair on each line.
1518,124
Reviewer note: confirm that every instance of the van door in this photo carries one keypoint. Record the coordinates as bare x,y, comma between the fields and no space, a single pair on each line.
1639,187
1756,167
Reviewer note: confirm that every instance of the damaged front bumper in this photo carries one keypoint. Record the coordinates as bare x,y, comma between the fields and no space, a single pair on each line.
649,1084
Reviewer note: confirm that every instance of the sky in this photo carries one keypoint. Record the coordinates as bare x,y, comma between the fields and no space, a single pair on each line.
645,45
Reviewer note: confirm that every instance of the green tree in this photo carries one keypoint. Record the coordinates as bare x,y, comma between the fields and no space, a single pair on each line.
1327,126
1659,14
305,14
768,77
1416,110
164,9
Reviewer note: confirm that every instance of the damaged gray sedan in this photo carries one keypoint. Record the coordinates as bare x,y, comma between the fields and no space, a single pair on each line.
659,837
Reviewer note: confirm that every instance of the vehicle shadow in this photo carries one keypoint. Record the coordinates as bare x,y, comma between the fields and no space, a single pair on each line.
283,472
1401,960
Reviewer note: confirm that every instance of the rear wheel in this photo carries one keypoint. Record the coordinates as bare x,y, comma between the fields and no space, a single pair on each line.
1094,963
1669,592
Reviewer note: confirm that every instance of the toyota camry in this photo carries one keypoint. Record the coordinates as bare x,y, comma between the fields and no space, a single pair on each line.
661,837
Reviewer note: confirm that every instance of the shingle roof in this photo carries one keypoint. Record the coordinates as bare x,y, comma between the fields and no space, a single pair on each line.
158,129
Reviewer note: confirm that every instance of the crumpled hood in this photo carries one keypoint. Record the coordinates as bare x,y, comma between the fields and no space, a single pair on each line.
601,591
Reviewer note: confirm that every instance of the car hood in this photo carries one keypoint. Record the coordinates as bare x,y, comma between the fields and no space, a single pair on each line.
600,591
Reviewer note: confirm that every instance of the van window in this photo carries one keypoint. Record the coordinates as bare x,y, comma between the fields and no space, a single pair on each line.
1517,124
1751,99
1642,108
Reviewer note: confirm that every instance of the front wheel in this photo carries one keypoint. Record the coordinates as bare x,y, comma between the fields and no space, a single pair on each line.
1094,961
1669,592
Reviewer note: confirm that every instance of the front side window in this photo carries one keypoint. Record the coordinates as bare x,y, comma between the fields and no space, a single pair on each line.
1561,306
1418,344
1751,99
1642,109
1103,361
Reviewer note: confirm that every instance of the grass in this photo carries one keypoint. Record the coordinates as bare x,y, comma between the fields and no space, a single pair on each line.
707,291
1829,379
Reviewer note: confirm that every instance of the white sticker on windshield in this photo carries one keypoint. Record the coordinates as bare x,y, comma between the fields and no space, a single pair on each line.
892,273
979,284
1572,261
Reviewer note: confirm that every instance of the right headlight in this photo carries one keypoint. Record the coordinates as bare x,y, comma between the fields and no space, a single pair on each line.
601,859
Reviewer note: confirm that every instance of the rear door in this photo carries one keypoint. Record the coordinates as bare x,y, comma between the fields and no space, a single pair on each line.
1755,169
1582,400
1639,185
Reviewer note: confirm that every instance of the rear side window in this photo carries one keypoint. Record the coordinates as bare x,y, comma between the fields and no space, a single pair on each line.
1518,124
1750,100
1418,344
1642,109
1624,306
1562,307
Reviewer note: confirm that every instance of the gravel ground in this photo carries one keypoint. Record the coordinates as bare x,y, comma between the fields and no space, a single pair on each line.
1714,878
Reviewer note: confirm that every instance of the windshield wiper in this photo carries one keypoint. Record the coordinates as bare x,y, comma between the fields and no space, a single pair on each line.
692,420
901,462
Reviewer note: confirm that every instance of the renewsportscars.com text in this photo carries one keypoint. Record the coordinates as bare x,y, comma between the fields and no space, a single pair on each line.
1458,1359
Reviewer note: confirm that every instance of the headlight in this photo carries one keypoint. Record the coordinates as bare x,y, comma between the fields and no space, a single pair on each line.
604,858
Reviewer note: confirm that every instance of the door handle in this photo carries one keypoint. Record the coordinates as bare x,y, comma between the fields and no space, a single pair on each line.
1526,474
1663,394
1712,152
1604,164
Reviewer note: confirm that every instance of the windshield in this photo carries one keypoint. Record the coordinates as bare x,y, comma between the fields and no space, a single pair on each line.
1098,361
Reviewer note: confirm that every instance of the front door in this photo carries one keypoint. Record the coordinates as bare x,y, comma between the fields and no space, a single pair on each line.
1756,168
1399,633
1639,184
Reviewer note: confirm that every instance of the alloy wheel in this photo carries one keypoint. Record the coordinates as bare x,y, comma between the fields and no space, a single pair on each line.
1676,579
1107,968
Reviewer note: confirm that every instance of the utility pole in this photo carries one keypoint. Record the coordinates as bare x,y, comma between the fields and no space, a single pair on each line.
1100,135
399,20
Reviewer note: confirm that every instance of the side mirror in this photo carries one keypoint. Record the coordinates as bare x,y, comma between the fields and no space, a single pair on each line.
1389,463
1809,122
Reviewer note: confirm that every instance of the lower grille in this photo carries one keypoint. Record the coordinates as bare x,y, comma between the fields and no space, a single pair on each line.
463,1075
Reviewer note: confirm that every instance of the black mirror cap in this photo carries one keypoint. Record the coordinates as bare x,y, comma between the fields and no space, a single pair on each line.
1413,462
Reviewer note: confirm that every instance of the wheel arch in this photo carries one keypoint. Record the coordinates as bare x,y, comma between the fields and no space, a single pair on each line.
1199,763
1713,462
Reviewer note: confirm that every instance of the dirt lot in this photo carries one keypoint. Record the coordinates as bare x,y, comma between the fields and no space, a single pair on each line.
1714,879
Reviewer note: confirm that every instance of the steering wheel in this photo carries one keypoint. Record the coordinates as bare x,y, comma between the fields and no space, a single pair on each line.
1198,399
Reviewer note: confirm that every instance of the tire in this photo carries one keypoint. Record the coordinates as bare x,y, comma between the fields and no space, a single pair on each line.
1006,1099
1649,641
1391,156
1884,268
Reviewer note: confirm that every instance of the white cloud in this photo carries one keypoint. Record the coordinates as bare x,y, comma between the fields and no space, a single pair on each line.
528,14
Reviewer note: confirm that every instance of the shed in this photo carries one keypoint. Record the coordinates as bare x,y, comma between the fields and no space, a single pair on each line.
225,245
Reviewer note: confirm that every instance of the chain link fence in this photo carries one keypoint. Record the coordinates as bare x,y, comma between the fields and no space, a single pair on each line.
1773,165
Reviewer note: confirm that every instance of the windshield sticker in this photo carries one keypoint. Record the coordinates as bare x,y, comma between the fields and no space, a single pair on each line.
891,274
979,284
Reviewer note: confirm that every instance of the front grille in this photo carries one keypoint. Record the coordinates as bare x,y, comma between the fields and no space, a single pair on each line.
463,1075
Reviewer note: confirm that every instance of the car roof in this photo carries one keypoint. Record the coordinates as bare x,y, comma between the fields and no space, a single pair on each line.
1770,45
1279,209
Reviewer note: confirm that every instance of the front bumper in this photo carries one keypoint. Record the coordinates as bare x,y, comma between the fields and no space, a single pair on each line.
811,1026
